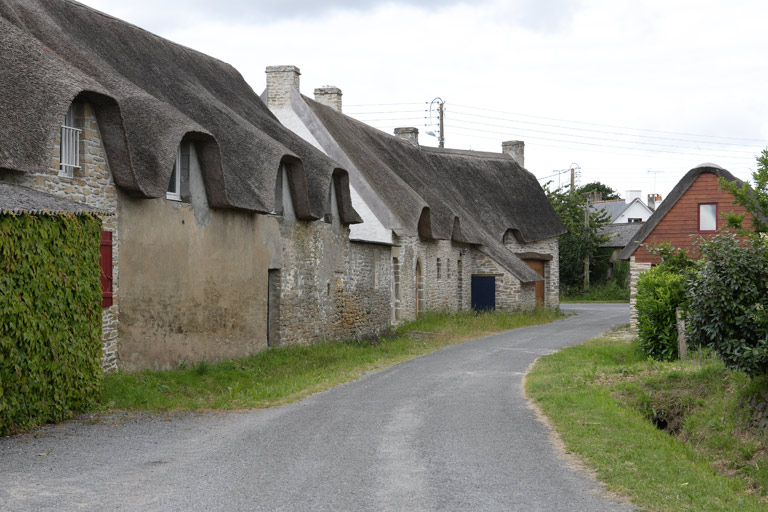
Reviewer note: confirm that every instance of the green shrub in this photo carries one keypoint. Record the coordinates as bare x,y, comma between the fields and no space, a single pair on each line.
728,301
659,293
50,318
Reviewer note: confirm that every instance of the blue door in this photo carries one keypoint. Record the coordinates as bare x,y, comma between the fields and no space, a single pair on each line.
483,293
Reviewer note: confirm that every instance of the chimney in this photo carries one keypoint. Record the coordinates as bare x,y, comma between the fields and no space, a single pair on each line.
408,134
652,199
329,95
516,148
280,81
632,195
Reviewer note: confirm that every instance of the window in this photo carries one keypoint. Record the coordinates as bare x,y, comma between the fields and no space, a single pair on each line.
707,217
174,186
634,219
70,145
105,263
439,268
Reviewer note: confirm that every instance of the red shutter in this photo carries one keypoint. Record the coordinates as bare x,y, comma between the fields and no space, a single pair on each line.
105,262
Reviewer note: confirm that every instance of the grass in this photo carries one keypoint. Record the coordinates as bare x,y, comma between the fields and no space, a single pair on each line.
608,292
671,436
286,374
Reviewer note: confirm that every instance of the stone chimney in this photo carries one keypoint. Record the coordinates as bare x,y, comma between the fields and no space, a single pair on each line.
516,148
632,195
280,81
329,95
409,134
652,198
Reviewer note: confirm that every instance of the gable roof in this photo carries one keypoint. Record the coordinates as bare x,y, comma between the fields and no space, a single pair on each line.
148,94
612,208
16,200
682,186
620,233
467,196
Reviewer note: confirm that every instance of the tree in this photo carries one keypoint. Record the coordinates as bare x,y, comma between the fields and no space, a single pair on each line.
604,192
754,198
583,239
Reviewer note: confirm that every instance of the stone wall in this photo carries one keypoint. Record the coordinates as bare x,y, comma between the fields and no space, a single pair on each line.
635,269
511,294
443,290
93,185
331,288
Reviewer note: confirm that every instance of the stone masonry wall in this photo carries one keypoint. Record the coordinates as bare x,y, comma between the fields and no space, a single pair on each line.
551,268
93,185
443,290
331,288
635,269
511,294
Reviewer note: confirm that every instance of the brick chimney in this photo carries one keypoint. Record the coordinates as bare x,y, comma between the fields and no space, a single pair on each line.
516,148
329,95
280,81
409,134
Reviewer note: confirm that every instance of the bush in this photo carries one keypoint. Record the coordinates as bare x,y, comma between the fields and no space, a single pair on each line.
659,293
50,318
728,300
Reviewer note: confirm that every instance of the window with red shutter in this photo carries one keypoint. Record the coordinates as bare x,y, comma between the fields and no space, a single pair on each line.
105,262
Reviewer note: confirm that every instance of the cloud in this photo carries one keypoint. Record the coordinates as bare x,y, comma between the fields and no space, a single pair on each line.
172,14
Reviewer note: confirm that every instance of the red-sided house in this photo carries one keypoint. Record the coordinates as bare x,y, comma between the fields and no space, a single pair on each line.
694,208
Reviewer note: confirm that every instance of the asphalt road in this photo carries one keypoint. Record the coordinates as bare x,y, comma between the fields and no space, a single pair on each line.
446,431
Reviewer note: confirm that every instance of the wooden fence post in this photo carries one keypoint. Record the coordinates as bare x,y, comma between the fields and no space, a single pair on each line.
682,348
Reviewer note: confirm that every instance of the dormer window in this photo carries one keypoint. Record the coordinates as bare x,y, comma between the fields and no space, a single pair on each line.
70,145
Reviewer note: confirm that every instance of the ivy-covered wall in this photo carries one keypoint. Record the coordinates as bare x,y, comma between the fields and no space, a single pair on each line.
50,318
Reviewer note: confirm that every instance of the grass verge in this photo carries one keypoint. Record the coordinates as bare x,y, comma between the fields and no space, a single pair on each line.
671,436
609,292
286,374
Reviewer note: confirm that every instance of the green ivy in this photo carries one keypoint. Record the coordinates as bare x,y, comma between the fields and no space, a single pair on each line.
50,318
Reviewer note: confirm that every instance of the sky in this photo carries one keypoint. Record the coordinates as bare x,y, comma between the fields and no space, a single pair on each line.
630,93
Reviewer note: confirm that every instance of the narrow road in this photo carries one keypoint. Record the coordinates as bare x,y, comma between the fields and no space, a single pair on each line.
446,431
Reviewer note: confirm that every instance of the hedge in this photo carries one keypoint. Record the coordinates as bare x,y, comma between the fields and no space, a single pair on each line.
50,318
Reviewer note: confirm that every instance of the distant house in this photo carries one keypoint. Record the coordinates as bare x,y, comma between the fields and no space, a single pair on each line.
466,229
630,210
693,209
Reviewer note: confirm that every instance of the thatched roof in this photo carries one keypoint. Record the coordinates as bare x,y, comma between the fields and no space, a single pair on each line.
682,186
620,234
16,200
466,196
148,94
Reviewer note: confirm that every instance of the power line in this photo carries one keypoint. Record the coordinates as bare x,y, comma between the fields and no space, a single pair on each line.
761,141
600,145
602,131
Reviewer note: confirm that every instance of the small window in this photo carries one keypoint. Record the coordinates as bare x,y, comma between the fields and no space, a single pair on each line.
70,145
707,217
328,217
174,186
634,219
439,269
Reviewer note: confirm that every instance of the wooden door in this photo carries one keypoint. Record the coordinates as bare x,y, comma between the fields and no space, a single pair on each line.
538,266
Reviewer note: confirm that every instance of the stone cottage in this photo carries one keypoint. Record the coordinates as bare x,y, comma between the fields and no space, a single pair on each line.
465,228
228,233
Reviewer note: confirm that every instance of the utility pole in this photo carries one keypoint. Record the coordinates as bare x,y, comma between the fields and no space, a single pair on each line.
441,117
441,140
586,236
574,169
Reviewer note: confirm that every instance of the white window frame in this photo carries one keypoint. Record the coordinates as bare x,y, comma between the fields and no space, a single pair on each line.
69,158
175,195
710,208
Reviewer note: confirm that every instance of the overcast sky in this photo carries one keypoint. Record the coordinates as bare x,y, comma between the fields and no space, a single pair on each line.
634,92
